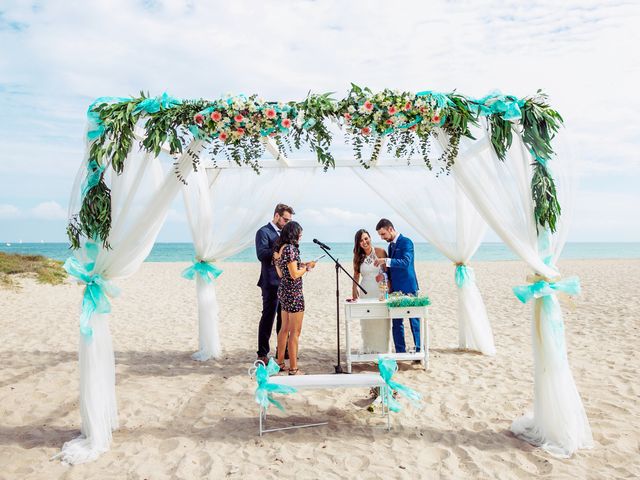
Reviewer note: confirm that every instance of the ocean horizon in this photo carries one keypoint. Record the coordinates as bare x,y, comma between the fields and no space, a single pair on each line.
183,251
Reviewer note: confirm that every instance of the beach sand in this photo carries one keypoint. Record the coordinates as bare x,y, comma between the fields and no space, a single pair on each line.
184,419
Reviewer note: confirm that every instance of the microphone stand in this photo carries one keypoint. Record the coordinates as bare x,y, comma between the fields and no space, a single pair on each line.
339,267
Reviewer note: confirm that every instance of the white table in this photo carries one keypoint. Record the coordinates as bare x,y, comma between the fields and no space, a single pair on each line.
368,309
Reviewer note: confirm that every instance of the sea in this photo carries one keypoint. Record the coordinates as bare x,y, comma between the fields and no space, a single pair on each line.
183,252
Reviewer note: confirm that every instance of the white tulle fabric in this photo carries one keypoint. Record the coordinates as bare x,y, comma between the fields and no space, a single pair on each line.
223,224
501,191
439,211
140,199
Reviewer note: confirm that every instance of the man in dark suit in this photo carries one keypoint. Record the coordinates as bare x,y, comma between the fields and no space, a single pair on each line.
402,275
269,281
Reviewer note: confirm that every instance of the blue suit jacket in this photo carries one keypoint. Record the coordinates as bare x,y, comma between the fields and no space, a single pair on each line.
265,239
402,272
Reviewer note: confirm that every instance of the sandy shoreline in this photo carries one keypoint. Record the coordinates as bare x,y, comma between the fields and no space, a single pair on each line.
183,419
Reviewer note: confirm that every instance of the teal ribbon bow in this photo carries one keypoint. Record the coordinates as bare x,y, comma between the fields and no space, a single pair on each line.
96,291
265,390
388,367
208,271
441,99
96,128
542,288
463,274
94,172
507,106
154,104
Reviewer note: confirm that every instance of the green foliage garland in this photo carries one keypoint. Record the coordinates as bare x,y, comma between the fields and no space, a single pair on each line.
236,128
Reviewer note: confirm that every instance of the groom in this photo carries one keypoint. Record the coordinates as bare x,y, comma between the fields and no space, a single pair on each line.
402,274
266,236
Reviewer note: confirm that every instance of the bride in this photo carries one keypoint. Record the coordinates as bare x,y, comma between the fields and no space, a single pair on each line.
375,333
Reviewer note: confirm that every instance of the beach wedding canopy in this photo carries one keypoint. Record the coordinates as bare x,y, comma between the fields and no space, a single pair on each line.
448,164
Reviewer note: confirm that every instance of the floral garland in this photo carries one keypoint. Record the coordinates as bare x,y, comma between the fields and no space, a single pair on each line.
237,128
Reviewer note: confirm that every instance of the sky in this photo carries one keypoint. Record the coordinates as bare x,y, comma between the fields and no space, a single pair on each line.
57,56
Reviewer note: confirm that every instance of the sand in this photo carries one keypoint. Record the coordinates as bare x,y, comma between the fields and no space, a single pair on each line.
184,419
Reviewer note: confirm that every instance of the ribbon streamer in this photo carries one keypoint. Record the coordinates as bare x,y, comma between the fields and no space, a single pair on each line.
441,99
208,271
463,274
155,104
543,287
265,390
96,128
96,292
388,367
507,106
94,172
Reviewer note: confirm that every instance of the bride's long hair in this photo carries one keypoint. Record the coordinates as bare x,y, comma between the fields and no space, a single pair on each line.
358,252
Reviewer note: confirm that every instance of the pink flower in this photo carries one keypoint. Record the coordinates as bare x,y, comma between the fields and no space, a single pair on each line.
407,106
392,110
272,134
347,116
198,118
271,113
238,118
216,116
435,119
389,122
413,127
286,123
240,131
368,105
366,131
223,136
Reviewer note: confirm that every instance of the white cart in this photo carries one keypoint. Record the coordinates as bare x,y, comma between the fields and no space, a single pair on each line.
366,309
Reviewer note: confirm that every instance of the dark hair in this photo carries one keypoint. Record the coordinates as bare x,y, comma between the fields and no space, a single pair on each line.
384,223
358,251
289,235
281,208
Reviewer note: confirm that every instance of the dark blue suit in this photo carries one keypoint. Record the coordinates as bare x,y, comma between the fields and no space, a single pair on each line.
268,282
402,274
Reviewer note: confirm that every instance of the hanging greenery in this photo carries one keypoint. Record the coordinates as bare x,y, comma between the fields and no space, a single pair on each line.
237,129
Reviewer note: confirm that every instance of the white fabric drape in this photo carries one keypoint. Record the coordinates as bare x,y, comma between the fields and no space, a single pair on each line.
140,198
224,223
437,209
501,191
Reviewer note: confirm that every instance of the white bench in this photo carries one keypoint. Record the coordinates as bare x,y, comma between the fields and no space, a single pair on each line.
315,382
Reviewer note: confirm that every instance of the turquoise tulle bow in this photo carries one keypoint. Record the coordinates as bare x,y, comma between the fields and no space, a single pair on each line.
154,104
96,291
94,172
463,274
208,271
542,288
507,106
388,367
441,99
264,390
96,128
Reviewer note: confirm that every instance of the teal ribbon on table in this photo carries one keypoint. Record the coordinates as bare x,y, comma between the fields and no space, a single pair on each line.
507,106
442,99
388,367
463,274
208,271
154,104
542,288
265,390
94,172
96,292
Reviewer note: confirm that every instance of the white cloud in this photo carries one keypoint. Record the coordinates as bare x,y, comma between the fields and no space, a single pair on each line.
336,217
8,211
48,211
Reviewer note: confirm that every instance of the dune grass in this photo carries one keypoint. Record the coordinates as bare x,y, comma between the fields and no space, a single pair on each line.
45,269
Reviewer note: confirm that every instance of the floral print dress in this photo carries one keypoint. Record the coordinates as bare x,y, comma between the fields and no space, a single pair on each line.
290,290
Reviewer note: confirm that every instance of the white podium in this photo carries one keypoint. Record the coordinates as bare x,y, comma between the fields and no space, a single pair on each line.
366,309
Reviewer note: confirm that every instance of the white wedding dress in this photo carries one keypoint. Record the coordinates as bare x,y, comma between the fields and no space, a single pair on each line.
375,332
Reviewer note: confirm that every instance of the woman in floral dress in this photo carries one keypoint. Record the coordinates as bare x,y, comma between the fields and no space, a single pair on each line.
290,269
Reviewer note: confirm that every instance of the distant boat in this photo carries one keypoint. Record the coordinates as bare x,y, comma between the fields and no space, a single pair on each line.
8,244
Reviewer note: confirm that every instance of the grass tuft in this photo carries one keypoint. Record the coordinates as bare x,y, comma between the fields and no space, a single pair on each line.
45,269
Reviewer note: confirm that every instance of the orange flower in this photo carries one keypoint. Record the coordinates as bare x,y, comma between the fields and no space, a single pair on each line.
223,136
238,118
271,113
366,131
286,123
216,116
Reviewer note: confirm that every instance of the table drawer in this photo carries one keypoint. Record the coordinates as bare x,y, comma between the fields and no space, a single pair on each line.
403,312
369,311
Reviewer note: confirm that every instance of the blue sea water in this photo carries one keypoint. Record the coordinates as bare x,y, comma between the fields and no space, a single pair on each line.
183,252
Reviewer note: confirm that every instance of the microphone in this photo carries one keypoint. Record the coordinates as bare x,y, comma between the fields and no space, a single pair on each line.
318,242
